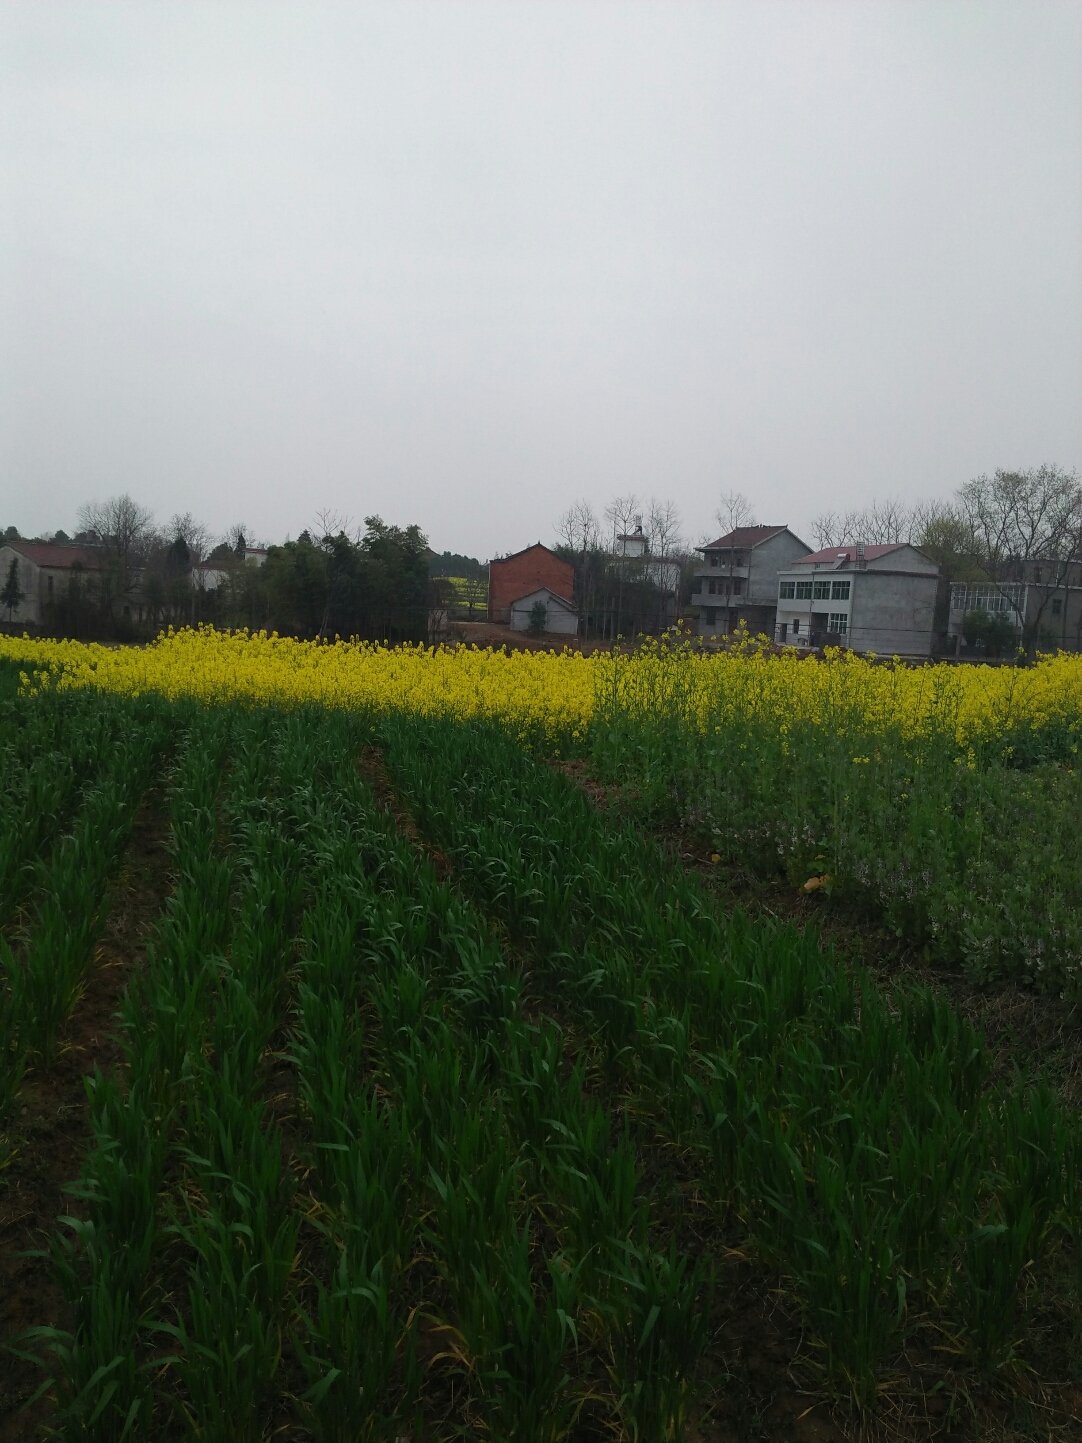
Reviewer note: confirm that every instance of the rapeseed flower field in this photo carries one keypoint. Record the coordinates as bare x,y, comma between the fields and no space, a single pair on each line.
560,694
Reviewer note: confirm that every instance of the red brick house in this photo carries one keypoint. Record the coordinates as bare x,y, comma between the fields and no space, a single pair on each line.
518,576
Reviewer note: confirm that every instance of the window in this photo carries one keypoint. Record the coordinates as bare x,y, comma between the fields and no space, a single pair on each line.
711,616
712,586
804,590
1057,606
739,559
796,626
787,590
713,558
821,590
1009,596
738,585
839,591
838,621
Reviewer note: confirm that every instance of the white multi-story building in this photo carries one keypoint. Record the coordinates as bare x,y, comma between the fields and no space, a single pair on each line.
867,598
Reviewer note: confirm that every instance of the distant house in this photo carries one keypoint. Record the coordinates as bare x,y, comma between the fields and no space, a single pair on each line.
738,580
868,598
48,571
517,580
210,575
1042,603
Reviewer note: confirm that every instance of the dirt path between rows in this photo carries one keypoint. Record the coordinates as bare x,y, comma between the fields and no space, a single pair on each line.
48,1131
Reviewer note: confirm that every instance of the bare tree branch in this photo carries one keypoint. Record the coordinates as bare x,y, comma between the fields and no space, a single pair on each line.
734,510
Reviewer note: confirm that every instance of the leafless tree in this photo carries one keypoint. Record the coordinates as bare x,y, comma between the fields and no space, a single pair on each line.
329,523
238,537
193,533
734,510
663,527
125,532
579,531
1027,526
120,523
826,530
578,528
665,544
1021,516
620,513
883,523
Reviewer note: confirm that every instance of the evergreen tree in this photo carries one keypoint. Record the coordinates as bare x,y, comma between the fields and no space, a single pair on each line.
12,594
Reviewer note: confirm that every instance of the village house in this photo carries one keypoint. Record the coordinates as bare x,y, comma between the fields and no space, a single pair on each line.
1041,601
867,598
738,581
519,582
48,572
210,575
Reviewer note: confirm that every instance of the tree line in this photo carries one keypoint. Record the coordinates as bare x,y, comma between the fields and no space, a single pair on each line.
370,582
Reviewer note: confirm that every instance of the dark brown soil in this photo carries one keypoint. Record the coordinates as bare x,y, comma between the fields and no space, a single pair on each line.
48,1130
373,770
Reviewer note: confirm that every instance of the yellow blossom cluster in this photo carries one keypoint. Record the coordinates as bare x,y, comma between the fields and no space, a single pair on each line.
561,692
844,693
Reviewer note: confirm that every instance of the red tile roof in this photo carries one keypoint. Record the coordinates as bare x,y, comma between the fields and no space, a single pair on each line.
57,555
743,537
536,546
832,553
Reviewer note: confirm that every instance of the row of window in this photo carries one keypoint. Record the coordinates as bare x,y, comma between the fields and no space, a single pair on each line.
987,598
719,558
715,586
836,621
819,590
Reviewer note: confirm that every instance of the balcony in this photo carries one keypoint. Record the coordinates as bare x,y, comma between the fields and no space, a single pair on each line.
705,572
705,598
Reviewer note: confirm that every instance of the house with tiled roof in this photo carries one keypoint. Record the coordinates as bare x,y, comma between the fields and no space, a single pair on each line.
738,580
46,572
867,598
518,582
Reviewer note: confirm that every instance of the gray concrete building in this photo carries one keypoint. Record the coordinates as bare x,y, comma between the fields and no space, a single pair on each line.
867,598
738,581
1040,600
45,573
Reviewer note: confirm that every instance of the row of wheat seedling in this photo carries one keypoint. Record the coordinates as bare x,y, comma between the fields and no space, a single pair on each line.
479,1217
852,1136
192,1260
74,772
179,1188
387,1156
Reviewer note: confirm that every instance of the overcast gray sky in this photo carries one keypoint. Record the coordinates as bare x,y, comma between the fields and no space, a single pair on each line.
462,263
